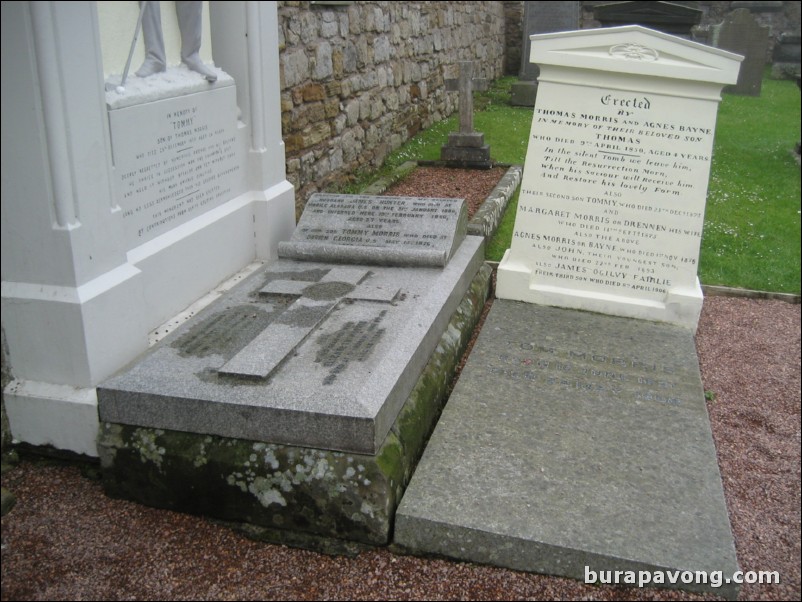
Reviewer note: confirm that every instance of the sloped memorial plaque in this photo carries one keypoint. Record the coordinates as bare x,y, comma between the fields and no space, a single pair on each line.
378,230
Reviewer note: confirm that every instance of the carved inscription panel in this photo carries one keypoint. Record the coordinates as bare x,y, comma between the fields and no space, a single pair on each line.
175,159
584,372
381,221
614,190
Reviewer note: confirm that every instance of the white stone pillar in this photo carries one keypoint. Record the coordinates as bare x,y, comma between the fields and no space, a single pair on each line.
78,299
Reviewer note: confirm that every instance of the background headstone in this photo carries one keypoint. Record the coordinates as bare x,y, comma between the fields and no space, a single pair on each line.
540,17
741,33
467,147
612,199
787,56
668,17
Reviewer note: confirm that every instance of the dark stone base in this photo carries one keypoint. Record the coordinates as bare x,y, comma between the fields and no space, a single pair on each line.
466,156
290,494
523,94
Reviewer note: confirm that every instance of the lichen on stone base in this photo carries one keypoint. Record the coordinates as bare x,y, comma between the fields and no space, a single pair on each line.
288,493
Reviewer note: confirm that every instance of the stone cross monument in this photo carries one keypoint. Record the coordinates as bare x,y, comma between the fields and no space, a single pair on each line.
466,148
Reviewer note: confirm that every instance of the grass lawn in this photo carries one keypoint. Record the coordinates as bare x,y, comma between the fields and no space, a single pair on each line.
751,236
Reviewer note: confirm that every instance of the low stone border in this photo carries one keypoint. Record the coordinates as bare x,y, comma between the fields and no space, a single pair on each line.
382,184
726,291
487,218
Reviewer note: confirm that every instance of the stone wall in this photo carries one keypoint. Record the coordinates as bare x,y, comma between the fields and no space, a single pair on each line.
358,79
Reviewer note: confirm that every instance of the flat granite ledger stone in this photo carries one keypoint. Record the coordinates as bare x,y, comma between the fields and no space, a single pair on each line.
574,440
286,494
301,353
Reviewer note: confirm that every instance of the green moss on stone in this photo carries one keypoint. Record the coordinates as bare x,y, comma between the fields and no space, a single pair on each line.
302,492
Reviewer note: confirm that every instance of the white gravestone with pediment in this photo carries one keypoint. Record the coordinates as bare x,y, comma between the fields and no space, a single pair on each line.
123,207
613,193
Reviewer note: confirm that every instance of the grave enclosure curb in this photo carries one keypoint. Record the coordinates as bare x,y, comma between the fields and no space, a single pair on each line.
486,220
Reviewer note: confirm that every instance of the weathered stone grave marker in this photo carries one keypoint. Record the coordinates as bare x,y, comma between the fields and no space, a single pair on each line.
466,148
740,32
578,441
540,17
309,362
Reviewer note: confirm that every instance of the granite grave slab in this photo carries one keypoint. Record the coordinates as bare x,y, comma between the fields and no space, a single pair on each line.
313,353
574,440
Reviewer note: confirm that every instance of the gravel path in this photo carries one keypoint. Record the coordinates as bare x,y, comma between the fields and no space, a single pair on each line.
66,540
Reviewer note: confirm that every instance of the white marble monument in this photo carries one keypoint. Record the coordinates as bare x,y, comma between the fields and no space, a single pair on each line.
613,193
120,208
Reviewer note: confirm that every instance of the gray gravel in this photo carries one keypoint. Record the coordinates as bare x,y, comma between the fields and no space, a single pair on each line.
66,540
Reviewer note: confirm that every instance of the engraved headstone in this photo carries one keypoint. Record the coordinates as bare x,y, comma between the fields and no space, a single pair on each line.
466,148
740,32
613,193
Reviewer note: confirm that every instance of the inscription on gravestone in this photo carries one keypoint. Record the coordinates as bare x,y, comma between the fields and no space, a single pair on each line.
353,342
587,372
175,159
378,230
616,202
612,200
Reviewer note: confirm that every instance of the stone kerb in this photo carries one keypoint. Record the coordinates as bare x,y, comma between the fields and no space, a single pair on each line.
614,187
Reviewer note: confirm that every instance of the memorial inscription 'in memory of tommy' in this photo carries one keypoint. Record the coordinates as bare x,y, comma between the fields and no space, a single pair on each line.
175,158
612,200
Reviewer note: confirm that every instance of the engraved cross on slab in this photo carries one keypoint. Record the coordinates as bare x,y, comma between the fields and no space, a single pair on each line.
465,85
264,354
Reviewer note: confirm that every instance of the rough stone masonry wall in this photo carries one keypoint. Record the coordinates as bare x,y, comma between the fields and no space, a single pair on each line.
358,79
